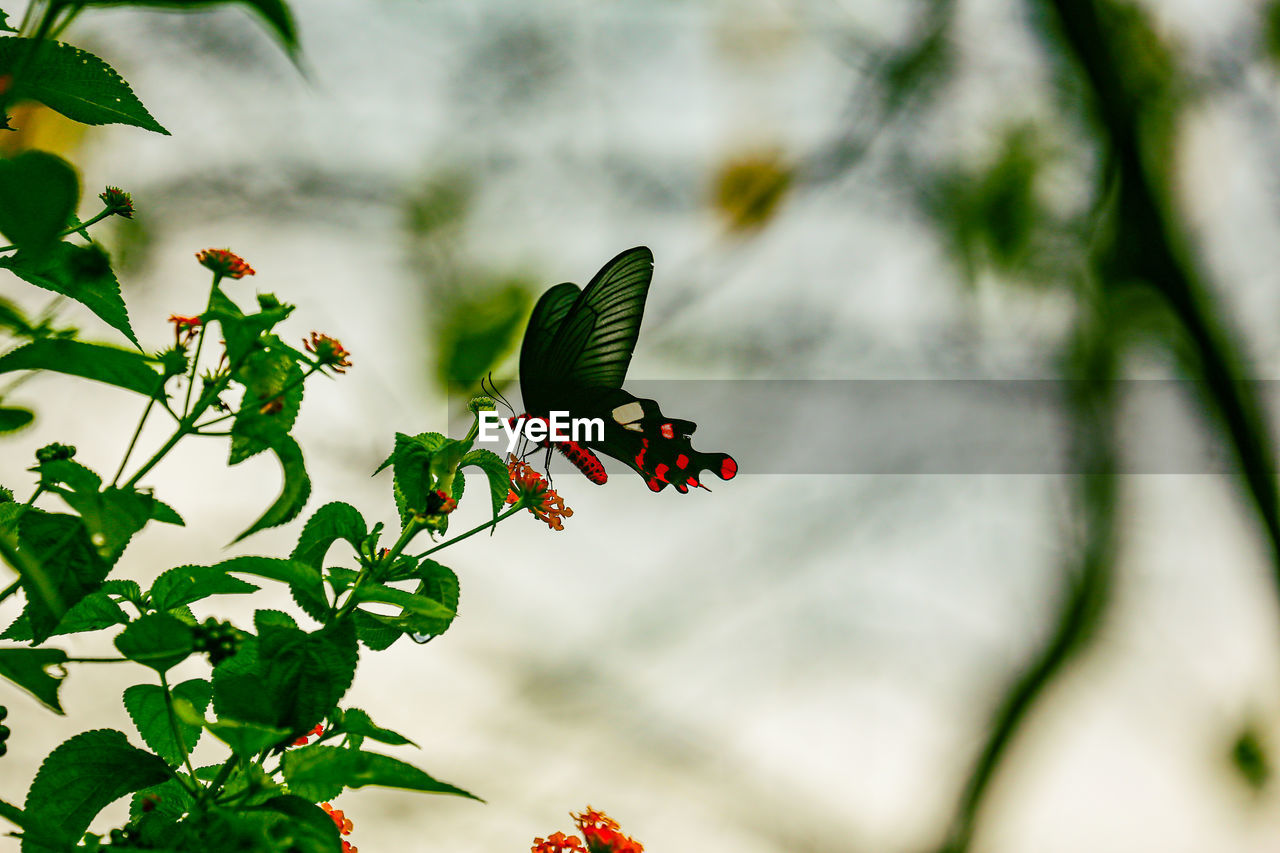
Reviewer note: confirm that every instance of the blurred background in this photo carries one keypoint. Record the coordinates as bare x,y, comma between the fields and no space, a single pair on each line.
833,190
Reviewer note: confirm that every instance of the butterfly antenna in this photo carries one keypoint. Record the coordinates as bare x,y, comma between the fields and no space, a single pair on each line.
498,395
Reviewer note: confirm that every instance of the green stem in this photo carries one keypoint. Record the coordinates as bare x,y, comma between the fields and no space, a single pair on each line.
289,386
224,772
412,529
32,570
133,442
473,531
69,231
174,729
11,589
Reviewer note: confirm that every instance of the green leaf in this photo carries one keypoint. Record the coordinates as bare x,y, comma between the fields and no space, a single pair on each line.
80,272
147,708
83,776
294,492
441,584
165,514
320,772
304,582
75,83
62,546
38,191
157,640
122,368
14,419
186,584
358,723
28,668
274,13
290,679
273,396
376,631
419,605
246,739
5,26
303,826
92,613
411,463
112,516
496,471
328,524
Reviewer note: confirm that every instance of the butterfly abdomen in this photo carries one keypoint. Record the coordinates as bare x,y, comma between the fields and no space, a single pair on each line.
581,457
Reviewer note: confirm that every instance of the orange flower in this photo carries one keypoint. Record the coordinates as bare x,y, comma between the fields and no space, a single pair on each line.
328,351
348,847
344,824
224,263
531,490
601,832
558,843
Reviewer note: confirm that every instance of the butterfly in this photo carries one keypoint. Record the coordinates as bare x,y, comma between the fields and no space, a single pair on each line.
574,357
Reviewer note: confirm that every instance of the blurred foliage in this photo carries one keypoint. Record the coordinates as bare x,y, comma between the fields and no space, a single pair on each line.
1249,758
749,189
477,328
992,214
475,315
1271,30
35,126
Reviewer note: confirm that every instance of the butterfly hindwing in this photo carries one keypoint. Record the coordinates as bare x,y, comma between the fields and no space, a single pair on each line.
657,447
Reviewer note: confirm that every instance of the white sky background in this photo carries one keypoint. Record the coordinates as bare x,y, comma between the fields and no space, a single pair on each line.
790,663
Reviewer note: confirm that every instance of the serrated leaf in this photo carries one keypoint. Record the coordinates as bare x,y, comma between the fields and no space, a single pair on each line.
122,368
150,714
186,584
38,191
75,83
62,546
375,631
320,772
439,583
14,419
81,777
294,492
28,668
495,470
416,604
92,613
158,640
328,524
357,722
82,273
290,680
273,384
165,514
303,581
112,515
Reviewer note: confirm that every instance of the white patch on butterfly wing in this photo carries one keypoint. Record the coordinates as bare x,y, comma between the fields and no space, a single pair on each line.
629,415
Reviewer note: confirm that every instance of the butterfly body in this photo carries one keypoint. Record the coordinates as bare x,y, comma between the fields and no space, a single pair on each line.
574,358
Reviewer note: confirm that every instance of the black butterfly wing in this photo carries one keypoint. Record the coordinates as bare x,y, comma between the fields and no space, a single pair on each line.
594,336
656,447
537,384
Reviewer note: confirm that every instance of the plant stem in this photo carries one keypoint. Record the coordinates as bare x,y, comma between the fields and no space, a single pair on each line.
69,231
473,531
133,441
174,729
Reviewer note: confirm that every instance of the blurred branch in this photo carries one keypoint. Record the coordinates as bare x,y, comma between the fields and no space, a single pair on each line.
1088,586
1134,121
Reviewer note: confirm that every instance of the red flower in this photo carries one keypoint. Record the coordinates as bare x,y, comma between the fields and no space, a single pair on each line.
184,328
328,351
531,490
224,263
117,201
316,732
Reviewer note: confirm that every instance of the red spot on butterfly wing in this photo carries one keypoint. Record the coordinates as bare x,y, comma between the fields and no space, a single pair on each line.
682,461
681,487
728,468
661,472
653,485
668,431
